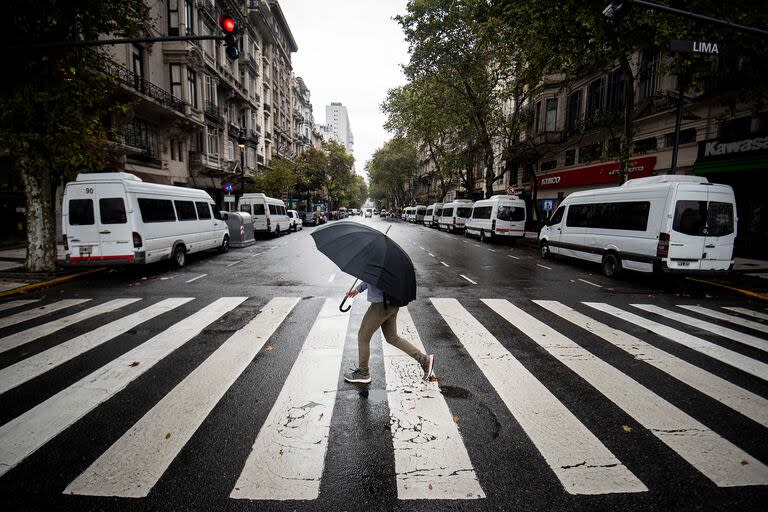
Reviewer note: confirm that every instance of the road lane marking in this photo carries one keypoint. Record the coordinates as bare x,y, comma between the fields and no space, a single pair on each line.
17,303
39,331
331,278
234,263
287,458
543,266
590,283
492,250
725,332
748,312
716,458
423,249
478,245
445,264
196,278
747,403
431,461
468,279
577,458
514,257
431,254
34,366
38,312
256,254
757,326
136,461
729,357
25,434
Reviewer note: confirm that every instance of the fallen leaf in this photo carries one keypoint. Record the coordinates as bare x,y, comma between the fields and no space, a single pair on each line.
268,348
744,462
611,289
430,487
135,363
321,415
707,296
626,428
434,378
237,488
281,451
456,419
168,435
412,408
258,402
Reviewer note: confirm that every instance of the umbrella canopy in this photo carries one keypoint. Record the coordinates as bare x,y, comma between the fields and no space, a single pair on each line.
369,255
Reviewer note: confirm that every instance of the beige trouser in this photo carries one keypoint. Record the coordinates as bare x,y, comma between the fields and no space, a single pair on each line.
386,318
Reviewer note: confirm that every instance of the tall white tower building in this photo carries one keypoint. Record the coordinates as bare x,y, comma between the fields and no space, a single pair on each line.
337,125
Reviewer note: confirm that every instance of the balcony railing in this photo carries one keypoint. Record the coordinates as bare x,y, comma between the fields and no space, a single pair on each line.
234,129
267,107
267,136
214,111
127,77
260,159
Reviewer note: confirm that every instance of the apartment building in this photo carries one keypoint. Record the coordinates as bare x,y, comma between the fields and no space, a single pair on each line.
338,127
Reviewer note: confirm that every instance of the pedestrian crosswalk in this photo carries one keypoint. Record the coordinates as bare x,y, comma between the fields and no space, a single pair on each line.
432,460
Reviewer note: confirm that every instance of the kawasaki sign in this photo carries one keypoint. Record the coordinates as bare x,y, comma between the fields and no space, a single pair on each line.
715,148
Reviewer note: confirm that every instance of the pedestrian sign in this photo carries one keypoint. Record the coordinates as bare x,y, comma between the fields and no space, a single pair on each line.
548,205
228,187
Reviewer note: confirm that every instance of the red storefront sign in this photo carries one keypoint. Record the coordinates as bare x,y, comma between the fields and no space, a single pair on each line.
606,173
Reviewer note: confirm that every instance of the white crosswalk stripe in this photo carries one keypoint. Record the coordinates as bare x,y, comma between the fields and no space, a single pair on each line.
431,461
579,460
26,433
33,333
747,403
757,326
31,314
718,459
27,369
748,312
287,458
134,464
725,332
729,357
17,303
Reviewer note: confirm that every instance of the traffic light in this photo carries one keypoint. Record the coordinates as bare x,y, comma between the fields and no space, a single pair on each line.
230,28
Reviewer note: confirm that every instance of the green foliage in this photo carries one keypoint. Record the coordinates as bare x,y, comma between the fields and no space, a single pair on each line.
339,172
277,181
391,167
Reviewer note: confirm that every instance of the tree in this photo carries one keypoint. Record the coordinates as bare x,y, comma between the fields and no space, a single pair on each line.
310,169
356,192
54,102
277,181
338,173
391,168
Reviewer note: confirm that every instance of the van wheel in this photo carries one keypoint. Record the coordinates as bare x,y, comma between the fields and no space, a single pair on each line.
611,265
224,247
545,252
179,256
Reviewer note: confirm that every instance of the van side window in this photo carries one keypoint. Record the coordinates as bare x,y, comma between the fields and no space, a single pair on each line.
245,208
630,216
557,217
202,210
112,210
464,212
156,210
80,212
448,212
439,212
185,210
216,212
273,209
258,209
482,212
511,213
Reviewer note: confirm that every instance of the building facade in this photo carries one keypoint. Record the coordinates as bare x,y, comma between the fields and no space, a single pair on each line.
338,127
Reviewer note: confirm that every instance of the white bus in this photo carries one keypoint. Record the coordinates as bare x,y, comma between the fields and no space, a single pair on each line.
269,214
660,223
500,217
455,214
115,218
421,211
432,216
409,214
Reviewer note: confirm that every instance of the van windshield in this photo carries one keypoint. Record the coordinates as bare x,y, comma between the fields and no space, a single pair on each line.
699,218
245,208
511,213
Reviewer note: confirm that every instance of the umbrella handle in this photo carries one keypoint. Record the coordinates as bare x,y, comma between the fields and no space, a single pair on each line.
341,306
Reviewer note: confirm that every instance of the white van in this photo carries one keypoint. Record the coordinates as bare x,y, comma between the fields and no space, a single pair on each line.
115,218
420,212
432,215
410,214
269,214
497,217
455,214
660,223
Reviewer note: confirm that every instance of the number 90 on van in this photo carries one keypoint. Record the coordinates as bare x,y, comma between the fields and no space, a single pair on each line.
117,219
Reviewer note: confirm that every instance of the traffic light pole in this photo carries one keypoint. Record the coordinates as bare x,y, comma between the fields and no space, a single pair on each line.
129,40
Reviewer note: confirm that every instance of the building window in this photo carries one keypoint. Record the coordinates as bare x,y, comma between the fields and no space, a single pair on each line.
550,119
591,153
548,166
594,97
686,137
615,100
536,119
210,91
173,17
192,87
213,142
570,157
614,147
140,134
649,73
573,112
137,62
176,80
209,47
188,13
645,145
230,151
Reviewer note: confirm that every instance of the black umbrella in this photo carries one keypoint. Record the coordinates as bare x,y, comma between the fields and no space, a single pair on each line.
369,255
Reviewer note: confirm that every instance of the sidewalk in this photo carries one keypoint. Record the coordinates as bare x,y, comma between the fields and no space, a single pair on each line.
14,280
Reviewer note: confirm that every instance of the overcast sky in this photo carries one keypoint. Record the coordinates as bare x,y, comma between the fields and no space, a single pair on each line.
349,51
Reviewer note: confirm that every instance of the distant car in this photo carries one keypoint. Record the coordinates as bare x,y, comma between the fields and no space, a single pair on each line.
296,222
375,211
383,212
368,212
312,218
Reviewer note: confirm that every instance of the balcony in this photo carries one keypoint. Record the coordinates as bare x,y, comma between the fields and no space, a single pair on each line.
214,112
267,107
267,136
142,85
253,136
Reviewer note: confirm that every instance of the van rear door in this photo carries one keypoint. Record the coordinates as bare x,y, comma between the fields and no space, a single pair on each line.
80,222
686,244
720,229
97,223
115,234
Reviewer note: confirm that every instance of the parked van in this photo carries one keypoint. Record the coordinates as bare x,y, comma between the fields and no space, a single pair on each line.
432,216
497,217
420,212
410,214
455,214
115,218
269,214
660,223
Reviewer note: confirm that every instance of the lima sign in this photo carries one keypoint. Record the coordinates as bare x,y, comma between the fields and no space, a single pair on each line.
700,47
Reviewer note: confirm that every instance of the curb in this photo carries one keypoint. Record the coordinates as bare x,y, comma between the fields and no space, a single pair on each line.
748,293
50,282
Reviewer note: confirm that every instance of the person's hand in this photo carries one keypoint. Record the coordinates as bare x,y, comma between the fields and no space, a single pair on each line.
352,293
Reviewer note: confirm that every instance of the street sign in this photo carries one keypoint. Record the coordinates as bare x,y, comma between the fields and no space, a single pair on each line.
229,199
510,190
228,186
700,47
548,205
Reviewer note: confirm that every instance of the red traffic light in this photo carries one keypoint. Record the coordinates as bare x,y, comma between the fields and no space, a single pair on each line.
228,24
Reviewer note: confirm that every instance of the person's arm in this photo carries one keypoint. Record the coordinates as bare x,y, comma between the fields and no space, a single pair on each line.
359,289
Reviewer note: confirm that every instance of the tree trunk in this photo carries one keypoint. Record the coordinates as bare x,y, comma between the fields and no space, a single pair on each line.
490,173
41,227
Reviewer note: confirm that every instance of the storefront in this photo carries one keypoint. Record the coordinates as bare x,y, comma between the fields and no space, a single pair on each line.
742,164
555,185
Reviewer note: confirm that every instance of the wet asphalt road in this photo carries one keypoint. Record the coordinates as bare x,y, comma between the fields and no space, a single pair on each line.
360,470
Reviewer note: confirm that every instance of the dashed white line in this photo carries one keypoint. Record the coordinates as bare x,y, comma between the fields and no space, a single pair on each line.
513,257
543,266
478,245
423,249
196,278
445,264
331,278
493,250
234,263
431,254
257,254
593,284
468,279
